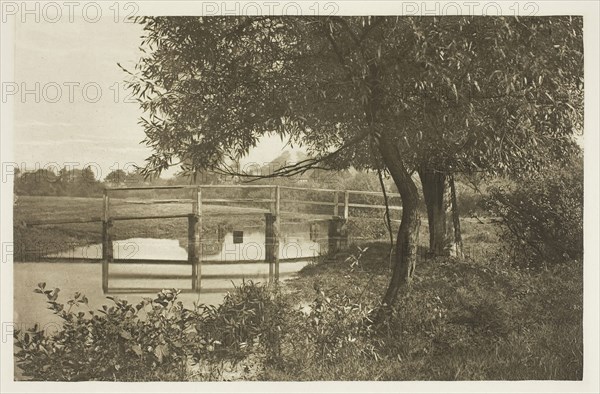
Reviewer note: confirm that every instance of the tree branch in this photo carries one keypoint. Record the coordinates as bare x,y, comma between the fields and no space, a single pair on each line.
298,168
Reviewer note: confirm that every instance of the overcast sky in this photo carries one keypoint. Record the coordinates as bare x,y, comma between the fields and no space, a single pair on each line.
72,106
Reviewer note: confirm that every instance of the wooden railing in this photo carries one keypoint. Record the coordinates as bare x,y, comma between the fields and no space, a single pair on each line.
339,201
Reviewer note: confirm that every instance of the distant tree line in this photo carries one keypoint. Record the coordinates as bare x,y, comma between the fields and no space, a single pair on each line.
85,183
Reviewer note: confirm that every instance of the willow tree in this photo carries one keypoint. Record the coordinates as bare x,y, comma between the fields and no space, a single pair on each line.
433,96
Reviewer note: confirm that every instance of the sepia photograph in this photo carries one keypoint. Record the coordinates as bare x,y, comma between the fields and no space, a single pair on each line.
321,196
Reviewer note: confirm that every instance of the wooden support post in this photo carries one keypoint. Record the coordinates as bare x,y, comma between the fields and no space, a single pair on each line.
272,245
275,200
336,202
346,204
195,239
107,245
337,235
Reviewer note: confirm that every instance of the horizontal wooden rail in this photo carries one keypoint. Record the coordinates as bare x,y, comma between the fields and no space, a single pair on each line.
182,215
110,189
55,259
227,200
391,207
235,186
136,275
373,193
311,202
144,261
151,276
62,221
309,189
172,201
204,262
142,290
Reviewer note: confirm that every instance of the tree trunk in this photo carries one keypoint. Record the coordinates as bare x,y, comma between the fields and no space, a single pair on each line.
442,213
406,240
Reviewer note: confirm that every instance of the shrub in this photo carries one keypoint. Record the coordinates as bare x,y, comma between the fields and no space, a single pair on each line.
250,316
155,339
542,216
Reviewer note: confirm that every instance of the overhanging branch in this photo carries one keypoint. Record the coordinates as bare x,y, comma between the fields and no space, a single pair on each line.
294,169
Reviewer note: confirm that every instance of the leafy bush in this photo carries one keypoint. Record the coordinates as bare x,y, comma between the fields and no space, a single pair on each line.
248,317
155,339
542,216
323,338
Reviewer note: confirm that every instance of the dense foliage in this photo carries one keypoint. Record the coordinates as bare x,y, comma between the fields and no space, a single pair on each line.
542,216
461,93
155,339
46,182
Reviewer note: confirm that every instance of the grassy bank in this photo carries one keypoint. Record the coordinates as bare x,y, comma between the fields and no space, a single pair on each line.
460,320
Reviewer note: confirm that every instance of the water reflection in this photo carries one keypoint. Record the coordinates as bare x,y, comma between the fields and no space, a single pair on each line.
302,241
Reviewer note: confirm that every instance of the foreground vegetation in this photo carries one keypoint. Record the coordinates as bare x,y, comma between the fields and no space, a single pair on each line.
461,320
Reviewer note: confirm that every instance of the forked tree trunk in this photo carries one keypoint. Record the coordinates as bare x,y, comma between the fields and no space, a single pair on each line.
442,213
406,240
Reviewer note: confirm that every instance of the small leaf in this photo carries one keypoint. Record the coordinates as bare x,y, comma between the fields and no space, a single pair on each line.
124,334
137,349
160,352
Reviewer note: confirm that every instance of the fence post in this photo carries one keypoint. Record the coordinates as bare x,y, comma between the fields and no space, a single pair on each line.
107,245
336,202
276,200
195,238
346,204
337,235
272,245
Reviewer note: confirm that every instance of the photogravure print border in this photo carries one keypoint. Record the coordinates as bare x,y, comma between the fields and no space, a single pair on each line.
449,387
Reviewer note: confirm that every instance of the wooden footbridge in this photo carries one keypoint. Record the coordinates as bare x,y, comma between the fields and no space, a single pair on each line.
337,205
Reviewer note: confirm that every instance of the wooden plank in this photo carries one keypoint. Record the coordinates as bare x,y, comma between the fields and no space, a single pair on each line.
374,206
307,189
303,202
149,290
110,189
63,221
235,186
235,276
227,200
141,275
183,215
54,259
150,262
171,201
372,193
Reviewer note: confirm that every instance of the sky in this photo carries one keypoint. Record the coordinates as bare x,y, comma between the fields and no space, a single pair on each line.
71,105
